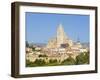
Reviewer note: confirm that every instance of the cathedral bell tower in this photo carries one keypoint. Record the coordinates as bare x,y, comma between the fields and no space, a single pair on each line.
61,40
61,37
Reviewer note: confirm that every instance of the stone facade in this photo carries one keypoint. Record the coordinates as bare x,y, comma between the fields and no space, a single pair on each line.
61,44
61,40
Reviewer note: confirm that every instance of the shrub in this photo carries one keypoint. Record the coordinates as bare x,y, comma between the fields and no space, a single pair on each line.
39,62
52,61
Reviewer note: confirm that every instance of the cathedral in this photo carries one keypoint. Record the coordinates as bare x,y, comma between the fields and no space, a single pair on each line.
60,48
62,45
61,40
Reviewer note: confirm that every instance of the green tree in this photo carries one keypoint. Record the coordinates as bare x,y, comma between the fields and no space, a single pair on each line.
53,61
83,58
39,62
33,48
29,63
41,55
68,61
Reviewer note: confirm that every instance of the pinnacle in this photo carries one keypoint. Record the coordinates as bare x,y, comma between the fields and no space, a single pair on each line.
60,27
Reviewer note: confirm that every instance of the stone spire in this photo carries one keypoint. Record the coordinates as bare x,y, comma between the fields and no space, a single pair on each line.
61,37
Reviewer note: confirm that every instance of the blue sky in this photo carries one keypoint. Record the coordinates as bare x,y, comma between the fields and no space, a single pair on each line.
40,27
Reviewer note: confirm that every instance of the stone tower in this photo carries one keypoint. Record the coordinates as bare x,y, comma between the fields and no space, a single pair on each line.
60,40
61,37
